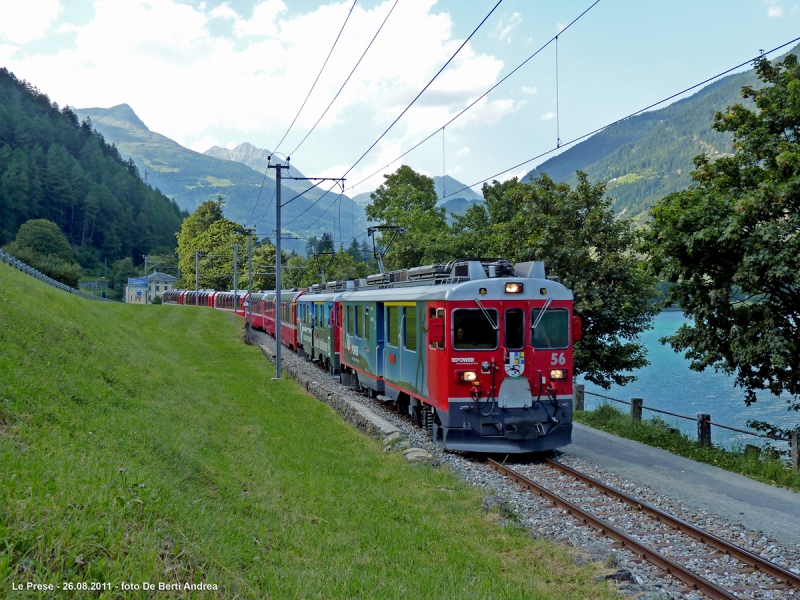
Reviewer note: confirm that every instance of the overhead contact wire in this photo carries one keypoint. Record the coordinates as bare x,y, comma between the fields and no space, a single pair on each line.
347,18
439,72
481,97
633,114
363,54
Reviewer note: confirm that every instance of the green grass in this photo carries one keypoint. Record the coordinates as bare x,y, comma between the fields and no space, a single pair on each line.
656,432
148,444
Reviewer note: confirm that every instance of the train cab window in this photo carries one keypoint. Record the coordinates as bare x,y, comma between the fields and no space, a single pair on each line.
472,329
392,325
359,321
366,323
410,329
515,329
552,330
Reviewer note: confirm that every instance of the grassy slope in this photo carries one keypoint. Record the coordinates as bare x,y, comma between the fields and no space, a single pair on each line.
229,477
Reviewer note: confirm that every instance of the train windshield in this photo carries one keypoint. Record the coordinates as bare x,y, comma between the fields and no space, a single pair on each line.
552,330
472,329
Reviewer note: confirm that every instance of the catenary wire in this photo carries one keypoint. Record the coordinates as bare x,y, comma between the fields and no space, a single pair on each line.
422,91
479,98
633,114
439,72
363,54
347,18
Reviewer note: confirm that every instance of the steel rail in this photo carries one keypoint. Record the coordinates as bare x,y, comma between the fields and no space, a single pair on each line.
665,563
754,560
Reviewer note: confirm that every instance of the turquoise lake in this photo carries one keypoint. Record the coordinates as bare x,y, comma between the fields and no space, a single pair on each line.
668,384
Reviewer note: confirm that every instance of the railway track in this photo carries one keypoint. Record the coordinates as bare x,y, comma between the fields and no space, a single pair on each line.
700,560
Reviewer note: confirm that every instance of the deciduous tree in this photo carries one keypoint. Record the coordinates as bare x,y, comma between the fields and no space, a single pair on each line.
730,244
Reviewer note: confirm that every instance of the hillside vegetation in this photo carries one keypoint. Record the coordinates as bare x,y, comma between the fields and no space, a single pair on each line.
148,444
53,167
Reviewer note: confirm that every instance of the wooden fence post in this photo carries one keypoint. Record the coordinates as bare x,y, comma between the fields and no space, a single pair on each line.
794,440
578,397
704,429
636,409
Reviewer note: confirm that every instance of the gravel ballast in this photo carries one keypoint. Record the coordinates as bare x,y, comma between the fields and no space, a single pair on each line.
632,576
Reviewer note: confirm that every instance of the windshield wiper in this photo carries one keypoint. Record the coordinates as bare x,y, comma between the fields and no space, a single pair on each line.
547,304
486,314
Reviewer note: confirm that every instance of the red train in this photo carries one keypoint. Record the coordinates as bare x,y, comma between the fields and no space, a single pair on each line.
476,351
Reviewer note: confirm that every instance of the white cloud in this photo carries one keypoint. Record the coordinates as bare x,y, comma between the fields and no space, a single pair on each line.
231,145
223,11
548,116
263,20
528,90
25,21
67,28
463,152
196,87
507,176
774,11
506,26
204,143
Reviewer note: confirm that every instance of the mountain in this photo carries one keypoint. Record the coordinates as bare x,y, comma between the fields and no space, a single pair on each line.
256,159
191,178
646,157
447,185
52,167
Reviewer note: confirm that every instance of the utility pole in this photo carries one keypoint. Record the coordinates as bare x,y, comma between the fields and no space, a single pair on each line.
196,276
147,279
278,206
250,287
278,295
235,278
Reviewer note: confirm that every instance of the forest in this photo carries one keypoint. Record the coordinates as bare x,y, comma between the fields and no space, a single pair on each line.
54,167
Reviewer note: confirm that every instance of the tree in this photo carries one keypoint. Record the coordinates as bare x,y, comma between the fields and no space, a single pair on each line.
580,240
408,199
40,244
44,237
730,244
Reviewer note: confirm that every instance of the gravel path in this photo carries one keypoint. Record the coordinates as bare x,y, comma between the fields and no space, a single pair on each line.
633,577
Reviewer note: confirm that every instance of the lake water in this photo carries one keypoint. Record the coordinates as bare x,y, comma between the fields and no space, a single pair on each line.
668,384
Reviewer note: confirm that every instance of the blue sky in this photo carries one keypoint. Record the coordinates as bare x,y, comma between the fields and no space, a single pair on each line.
222,73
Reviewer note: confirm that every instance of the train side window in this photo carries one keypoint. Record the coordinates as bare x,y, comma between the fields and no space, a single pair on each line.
410,333
359,321
440,314
366,323
350,320
392,329
552,330
515,329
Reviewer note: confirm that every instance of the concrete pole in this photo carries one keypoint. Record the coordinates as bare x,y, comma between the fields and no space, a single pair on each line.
235,278
795,451
196,276
250,286
147,291
278,303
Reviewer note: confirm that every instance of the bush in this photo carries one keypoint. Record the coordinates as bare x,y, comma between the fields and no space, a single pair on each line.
66,272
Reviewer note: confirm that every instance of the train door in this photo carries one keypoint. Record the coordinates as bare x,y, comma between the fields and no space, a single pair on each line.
392,341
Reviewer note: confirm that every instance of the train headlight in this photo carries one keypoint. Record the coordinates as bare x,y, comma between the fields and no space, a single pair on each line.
468,376
558,373
514,287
